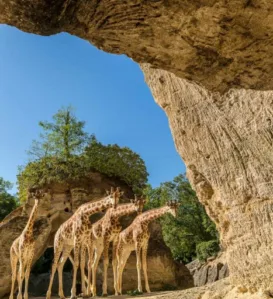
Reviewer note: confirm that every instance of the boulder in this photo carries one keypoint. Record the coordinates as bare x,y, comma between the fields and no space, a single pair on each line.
204,273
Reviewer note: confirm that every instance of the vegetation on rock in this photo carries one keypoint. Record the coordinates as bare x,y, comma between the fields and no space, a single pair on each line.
8,202
65,152
207,249
192,226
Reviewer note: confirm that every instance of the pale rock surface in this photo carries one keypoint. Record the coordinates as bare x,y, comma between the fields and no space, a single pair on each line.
226,143
217,43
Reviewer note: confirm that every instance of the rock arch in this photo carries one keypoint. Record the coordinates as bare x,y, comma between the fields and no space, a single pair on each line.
223,134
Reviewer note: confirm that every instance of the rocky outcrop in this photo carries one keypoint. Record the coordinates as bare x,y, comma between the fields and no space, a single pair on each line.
227,142
219,44
208,272
224,138
58,205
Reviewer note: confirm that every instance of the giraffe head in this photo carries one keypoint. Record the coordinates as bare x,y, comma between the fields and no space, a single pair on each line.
36,194
139,203
173,207
42,197
114,196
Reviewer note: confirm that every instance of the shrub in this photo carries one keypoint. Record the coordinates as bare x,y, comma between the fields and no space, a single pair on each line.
111,160
207,249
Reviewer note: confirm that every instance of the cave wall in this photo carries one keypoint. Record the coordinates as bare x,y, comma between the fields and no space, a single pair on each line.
217,43
226,142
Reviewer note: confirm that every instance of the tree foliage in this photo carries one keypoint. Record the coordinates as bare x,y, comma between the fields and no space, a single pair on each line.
8,202
191,227
65,152
63,137
207,249
116,161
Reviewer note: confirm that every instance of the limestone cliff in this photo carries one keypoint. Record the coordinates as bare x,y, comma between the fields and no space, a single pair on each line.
226,142
58,205
219,44
224,138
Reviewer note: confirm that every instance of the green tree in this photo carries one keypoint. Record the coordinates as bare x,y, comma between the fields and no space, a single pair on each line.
191,227
65,153
63,137
116,161
8,202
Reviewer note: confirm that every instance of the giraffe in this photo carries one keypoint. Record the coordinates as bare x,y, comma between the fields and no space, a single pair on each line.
136,237
71,235
22,251
106,230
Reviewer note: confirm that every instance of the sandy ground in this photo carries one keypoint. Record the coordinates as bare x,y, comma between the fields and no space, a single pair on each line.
218,290
145,295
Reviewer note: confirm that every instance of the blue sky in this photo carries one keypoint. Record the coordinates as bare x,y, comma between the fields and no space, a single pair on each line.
39,75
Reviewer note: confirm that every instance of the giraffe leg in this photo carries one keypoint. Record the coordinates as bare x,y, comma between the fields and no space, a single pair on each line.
75,269
105,266
57,255
13,262
119,254
27,273
138,264
82,266
90,259
144,265
97,255
60,267
20,277
122,259
114,263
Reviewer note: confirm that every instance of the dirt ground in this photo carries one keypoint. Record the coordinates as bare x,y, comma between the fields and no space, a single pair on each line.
218,290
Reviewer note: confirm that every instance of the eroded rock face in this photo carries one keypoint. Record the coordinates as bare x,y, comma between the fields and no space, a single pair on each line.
56,207
219,44
227,144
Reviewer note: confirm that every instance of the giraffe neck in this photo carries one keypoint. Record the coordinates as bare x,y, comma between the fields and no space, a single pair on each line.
97,206
151,215
29,226
124,209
